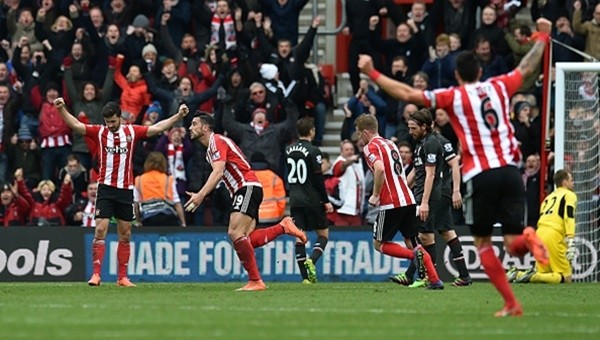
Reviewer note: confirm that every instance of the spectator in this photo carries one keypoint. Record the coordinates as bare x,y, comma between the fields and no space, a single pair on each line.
13,207
23,153
489,28
531,183
358,15
180,13
135,91
459,18
261,134
590,29
394,107
155,194
284,16
49,210
178,150
135,41
424,21
440,65
406,155
79,175
87,104
455,42
348,168
524,131
492,64
564,34
364,101
83,211
58,39
272,207
332,186
9,106
24,27
54,133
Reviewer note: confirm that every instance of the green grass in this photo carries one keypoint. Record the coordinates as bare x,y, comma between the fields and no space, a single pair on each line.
291,310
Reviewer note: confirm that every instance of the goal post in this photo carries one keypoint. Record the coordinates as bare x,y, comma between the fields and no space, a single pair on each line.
577,148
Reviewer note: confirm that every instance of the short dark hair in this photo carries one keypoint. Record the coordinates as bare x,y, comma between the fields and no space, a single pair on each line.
206,119
403,143
525,30
304,126
111,109
325,156
560,176
468,66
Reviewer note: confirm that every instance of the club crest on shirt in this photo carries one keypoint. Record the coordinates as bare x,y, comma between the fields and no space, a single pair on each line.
128,138
371,158
448,147
431,158
319,159
216,156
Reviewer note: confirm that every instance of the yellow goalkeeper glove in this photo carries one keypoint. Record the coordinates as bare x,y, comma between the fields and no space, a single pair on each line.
571,249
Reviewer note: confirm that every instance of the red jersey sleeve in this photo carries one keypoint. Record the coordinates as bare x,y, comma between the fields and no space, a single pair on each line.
512,81
141,131
220,150
371,154
439,99
92,130
337,168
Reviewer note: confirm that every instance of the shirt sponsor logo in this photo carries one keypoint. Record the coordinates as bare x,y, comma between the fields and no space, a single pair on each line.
116,150
371,158
216,156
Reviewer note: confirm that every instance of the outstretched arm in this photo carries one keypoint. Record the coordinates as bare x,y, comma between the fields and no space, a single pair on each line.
69,119
166,124
211,183
532,59
392,87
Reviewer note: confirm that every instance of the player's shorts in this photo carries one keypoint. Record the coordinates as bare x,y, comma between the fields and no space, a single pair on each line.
310,218
442,216
390,221
427,226
495,196
111,201
247,200
557,249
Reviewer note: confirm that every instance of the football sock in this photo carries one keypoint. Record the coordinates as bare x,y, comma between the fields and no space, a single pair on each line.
262,236
518,247
430,267
494,270
396,250
547,278
458,257
300,258
123,251
245,253
411,271
431,249
98,248
318,249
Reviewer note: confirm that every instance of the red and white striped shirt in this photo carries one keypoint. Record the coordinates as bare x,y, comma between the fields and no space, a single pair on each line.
395,192
237,169
115,152
480,116
89,215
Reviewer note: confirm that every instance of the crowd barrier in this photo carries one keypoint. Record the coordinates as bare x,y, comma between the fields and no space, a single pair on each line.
204,254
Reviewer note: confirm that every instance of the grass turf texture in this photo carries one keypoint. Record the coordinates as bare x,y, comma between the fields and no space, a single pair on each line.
291,310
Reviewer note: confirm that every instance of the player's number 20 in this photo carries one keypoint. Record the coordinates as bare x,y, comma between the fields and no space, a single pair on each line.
298,171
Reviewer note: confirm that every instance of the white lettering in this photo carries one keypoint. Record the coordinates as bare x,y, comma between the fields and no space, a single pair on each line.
267,258
145,260
42,255
164,258
286,259
223,258
343,257
205,256
181,258
59,258
363,258
28,262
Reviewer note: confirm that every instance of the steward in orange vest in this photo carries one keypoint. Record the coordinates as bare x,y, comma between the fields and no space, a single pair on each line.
155,194
274,201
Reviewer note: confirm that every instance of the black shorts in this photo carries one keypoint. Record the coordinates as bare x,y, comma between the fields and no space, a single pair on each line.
442,216
247,200
495,196
310,218
427,226
111,201
390,221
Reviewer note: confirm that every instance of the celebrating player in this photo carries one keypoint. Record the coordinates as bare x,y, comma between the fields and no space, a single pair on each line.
479,113
394,198
230,165
308,198
115,143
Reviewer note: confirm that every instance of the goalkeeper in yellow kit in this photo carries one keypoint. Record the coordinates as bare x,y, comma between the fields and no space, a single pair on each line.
556,228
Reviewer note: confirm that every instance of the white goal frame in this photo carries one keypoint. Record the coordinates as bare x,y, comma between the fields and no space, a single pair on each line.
591,274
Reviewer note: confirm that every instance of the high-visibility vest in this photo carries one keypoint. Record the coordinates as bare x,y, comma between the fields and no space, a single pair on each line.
156,194
274,201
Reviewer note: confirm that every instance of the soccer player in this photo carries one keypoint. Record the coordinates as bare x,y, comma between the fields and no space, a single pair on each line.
397,205
114,145
230,165
308,199
556,228
479,113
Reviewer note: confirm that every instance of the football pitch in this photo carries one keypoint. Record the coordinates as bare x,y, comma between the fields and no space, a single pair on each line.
291,310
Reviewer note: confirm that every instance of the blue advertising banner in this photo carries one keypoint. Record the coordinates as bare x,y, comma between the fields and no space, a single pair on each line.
209,256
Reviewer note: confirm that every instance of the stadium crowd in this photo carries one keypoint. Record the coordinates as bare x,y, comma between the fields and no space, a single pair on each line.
238,60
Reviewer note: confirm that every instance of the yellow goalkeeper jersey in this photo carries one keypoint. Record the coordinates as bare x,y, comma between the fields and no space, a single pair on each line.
558,212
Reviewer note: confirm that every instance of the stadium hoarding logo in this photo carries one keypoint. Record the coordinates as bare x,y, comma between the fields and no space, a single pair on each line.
44,261
581,269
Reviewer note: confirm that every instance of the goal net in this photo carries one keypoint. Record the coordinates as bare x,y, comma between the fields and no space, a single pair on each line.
577,147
